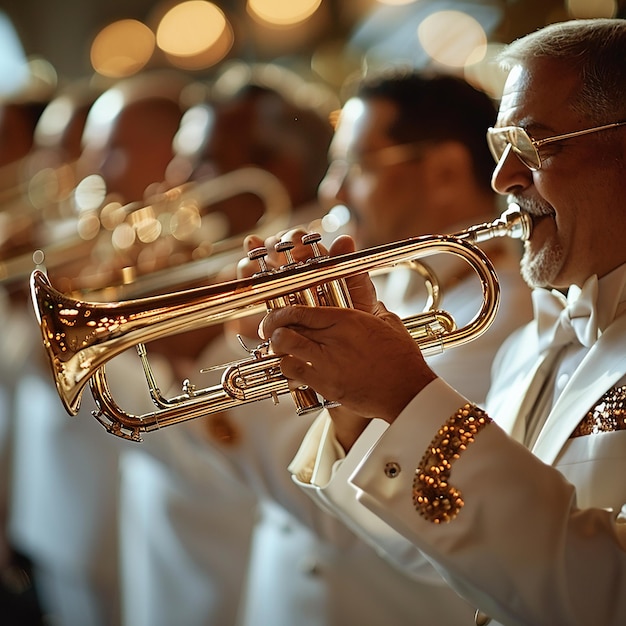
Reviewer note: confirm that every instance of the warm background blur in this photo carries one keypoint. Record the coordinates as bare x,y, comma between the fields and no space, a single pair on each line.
328,38
123,182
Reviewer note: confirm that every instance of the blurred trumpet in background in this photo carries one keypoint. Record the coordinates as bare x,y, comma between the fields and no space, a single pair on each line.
172,239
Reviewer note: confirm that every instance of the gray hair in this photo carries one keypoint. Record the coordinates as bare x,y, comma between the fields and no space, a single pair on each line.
595,48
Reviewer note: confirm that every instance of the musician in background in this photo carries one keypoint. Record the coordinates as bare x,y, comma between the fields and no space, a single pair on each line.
64,493
119,141
19,117
521,506
409,158
18,120
191,510
253,125
58,138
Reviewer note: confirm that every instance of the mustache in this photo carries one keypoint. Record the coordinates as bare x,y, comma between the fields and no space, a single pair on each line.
532,206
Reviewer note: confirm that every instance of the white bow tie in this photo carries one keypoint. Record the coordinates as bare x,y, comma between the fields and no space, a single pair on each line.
562,320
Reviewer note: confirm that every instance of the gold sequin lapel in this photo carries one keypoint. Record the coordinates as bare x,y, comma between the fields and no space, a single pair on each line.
608,415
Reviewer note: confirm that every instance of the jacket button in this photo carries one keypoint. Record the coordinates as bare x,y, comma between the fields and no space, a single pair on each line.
392,469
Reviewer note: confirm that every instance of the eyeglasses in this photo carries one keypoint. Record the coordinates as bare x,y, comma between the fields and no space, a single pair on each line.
527,148
384,157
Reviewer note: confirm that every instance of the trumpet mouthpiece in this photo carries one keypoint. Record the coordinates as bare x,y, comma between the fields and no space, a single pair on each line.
514,223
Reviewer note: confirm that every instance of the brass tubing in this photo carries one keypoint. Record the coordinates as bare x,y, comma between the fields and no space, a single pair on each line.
81,337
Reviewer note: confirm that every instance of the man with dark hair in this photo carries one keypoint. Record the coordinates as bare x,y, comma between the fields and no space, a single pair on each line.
409,158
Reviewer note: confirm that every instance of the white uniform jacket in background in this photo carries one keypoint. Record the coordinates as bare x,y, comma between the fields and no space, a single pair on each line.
306,568
467,368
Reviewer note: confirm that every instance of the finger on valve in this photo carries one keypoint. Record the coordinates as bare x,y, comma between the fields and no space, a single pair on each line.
247,267
271,257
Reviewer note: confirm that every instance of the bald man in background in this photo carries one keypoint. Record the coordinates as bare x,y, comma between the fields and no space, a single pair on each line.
64,496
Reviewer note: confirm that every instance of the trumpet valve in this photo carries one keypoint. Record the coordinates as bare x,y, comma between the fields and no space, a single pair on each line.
259,255
189,389
286,247
306,400
313,239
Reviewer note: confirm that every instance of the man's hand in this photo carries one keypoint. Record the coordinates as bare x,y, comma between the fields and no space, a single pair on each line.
363,358
368,363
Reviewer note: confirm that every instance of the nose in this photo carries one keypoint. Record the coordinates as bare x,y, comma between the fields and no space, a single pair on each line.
510,175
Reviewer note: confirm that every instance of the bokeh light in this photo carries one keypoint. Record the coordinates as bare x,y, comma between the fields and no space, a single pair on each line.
122,48
195,34
582,9
452,38
190,28
282,12
486,74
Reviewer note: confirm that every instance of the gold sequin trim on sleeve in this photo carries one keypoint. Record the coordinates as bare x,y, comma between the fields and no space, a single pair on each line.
434,497
608,415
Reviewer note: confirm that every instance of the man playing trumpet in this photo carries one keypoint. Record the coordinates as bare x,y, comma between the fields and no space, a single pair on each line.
518,505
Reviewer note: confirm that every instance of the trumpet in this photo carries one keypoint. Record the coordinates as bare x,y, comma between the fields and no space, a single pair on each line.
185,205
81,337
188,206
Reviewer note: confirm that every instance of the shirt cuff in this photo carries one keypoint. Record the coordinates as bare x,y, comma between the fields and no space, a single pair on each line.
320,453
416,426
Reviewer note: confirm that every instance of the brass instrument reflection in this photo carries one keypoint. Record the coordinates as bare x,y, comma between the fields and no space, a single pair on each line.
110,249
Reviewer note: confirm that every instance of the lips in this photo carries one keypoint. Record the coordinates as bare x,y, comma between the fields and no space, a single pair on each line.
540,218
541,228
537,211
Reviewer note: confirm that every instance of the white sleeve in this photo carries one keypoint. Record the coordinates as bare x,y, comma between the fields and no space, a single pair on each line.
322,470
518,547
